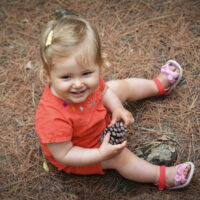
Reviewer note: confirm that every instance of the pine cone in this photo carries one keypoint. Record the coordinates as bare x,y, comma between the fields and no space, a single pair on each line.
117,133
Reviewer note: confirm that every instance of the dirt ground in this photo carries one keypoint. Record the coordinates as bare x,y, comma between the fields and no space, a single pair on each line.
138,37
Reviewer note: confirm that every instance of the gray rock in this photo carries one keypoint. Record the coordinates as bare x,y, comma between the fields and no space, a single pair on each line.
59,13
158,153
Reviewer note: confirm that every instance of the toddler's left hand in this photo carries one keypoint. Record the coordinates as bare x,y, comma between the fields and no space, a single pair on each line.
122,114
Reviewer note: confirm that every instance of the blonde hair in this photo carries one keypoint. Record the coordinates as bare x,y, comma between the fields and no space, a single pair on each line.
70,35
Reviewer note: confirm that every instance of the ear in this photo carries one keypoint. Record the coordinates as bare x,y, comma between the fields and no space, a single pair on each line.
44,75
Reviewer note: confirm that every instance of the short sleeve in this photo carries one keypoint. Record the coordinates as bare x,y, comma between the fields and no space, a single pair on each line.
51,126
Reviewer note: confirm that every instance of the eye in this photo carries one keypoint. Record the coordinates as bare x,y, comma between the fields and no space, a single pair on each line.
86,73
65,77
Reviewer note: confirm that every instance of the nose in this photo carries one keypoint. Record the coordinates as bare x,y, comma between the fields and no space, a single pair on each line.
77,83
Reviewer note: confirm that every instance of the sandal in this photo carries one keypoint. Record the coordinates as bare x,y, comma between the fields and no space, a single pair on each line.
179,181
173,77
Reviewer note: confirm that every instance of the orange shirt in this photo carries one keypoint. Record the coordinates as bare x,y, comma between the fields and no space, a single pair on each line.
82,123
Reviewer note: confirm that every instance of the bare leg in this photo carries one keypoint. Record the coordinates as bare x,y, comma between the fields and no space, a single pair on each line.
134,89
137,169
132,167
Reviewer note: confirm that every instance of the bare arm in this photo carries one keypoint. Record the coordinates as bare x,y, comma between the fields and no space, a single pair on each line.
110,99
113,103
68,154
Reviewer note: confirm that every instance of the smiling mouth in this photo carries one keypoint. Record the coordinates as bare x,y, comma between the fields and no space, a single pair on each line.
78,93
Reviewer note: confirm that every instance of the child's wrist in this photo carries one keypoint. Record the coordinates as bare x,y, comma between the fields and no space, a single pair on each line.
100,156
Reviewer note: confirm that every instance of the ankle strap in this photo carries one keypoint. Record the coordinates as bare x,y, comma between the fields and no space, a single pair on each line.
159,86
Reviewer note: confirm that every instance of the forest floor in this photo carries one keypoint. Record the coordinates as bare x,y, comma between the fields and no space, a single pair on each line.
138,38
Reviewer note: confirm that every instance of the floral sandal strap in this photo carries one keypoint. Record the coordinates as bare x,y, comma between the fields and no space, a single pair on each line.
179,178
171,75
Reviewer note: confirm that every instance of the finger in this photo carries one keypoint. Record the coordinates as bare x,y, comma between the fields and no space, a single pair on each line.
124,143
106,138
126,121
112,122
121,146
130,120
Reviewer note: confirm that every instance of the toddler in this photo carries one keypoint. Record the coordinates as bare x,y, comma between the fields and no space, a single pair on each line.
77,105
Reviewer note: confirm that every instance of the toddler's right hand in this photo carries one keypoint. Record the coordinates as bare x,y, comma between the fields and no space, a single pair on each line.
108,150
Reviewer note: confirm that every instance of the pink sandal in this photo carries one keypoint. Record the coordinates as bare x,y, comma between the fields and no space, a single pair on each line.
179,181
173,77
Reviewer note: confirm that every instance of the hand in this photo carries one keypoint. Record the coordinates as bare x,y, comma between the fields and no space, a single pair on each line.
122,114
108,150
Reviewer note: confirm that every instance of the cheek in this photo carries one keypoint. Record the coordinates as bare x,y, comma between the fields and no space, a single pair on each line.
95,82
62,86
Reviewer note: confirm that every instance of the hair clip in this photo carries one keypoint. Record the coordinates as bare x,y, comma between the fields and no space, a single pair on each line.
49,39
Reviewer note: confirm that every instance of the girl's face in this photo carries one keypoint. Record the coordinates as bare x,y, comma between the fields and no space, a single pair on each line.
71,82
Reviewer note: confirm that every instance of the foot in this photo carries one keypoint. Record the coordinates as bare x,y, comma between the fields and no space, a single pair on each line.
175,177
171,173
163,78
170,76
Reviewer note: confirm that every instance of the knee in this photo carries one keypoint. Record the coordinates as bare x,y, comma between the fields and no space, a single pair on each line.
118,87
116,162
113,84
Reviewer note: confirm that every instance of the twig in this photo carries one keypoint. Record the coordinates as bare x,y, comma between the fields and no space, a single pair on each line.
33,94
148,20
